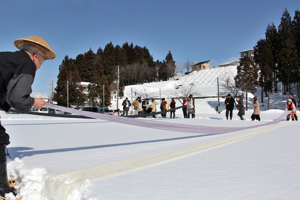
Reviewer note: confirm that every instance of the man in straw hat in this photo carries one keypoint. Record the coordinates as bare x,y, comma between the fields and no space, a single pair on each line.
17,72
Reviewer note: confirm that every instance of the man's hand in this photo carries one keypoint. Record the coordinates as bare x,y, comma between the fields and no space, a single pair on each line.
39,103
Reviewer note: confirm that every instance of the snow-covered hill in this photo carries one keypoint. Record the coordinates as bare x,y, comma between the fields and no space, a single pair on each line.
204,83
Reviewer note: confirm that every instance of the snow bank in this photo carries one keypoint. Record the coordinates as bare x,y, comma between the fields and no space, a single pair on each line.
32,181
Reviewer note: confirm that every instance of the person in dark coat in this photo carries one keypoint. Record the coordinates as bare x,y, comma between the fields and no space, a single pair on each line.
17,73
172,105
240,107
126,105
229,105
184,108
145,105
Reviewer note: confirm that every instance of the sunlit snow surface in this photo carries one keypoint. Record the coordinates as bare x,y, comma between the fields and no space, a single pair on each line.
264,166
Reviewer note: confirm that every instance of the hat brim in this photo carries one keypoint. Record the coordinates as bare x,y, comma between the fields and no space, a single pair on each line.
49,53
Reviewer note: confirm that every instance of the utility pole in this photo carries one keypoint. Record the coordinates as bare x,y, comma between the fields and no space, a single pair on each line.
187,65
131,100
118,83
103,98
67,93
219,107
52,92
160,93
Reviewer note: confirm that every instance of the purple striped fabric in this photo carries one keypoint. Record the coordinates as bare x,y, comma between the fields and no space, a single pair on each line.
163,125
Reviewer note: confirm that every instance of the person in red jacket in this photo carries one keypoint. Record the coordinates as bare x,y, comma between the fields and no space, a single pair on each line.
291,106
184,108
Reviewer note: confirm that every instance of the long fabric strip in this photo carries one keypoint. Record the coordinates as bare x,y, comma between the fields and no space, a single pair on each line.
163,125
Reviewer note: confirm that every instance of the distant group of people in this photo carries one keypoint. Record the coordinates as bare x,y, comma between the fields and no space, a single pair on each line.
188,107
144,107
229,105
230,102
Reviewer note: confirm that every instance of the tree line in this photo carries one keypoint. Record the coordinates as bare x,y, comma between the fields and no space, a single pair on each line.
276,59
136,67
278,55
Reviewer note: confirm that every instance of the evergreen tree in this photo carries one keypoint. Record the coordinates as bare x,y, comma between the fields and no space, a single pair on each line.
76,94
163,73
246,78
265,61
272,39
94,89
287,55
64,75
296,25
171,64
109,62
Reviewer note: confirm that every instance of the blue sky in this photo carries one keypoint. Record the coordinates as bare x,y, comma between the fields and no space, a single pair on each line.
198,30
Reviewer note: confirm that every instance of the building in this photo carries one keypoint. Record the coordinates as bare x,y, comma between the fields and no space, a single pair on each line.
233,63
247,53
201,65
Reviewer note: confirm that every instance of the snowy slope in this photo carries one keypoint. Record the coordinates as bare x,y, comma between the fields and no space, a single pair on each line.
204,81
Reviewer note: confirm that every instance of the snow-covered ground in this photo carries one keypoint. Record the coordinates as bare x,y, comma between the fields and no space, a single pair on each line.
263,166
257,163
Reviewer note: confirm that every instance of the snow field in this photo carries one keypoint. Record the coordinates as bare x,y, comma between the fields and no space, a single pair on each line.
263,166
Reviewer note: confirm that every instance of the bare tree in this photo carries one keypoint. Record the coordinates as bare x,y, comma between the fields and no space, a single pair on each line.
184,91
180,68
227,81
143,93
188,65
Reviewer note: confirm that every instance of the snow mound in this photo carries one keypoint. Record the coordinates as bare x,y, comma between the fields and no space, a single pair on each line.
32,181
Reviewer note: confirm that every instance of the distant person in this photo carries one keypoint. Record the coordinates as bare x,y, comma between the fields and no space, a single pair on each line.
229,105
17,73
153,107
291,106
184,108
163,108
140,108
240,107
191,106
145,105
256,111
172,105
126,105
294,100
135,104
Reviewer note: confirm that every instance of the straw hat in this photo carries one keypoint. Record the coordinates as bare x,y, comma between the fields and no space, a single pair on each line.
37,41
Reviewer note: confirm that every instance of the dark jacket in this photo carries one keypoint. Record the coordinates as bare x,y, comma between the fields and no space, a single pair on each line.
240,107
172,104
163,105
230,104
144,105
17,72
294,101
124,104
